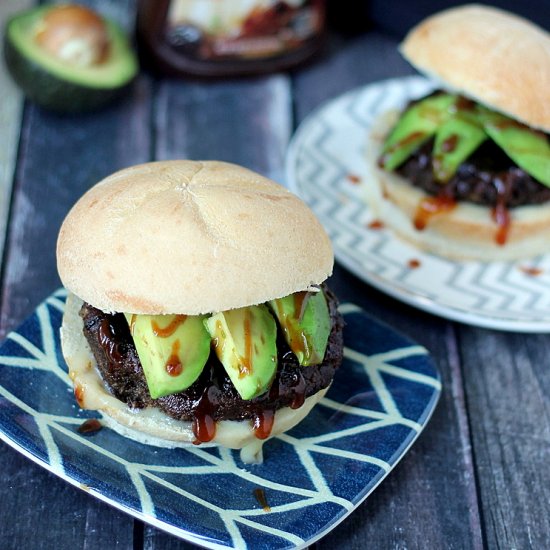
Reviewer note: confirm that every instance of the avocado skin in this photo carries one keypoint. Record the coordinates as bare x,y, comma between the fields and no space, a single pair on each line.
53,92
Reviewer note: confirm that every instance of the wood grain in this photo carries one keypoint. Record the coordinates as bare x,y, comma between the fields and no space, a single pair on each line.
11,107
60,158
247,122
507,380
430,499
42,512
478,475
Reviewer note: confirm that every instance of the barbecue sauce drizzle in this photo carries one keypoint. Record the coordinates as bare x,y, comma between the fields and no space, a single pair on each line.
263,423
500,212
431,206
108,342
263,420
173,365
168,330
203,424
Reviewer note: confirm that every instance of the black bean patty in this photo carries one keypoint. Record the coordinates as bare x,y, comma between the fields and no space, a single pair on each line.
489,177
122,373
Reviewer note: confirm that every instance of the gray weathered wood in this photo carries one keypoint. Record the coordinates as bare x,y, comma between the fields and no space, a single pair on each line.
478,475
247,122
430,500
507,380
42,512
11,106
347,64
431,497
60,158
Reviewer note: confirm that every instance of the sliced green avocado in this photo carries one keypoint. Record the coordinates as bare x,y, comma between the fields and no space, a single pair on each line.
245,341
455,140
305,320
57,85
416,126
529,149
172,349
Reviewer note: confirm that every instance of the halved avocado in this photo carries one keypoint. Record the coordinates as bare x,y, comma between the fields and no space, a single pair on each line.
56,82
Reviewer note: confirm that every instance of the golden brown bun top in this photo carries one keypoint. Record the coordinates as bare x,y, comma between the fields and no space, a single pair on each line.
489,55
189,237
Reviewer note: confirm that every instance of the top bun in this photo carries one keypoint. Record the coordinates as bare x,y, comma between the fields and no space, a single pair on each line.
489,55
189,237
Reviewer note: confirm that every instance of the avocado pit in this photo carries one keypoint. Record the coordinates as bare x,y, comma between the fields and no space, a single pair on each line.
73,34
68,58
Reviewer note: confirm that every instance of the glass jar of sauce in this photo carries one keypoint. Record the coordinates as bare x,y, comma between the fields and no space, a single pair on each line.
220,38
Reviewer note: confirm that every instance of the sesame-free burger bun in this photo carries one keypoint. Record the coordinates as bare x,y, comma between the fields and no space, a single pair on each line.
491,56
189,237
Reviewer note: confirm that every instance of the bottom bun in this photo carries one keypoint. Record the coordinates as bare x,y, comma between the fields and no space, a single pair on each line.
467,232
150,425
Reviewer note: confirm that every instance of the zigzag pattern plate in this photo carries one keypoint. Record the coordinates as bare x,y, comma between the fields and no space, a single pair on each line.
312,477
326,166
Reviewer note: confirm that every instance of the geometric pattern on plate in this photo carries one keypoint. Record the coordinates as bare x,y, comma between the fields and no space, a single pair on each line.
328,148
312,477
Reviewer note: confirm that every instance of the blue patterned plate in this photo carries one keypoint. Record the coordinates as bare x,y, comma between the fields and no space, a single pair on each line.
326,165
311,479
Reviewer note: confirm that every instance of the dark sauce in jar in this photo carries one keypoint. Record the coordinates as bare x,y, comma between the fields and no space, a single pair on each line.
211,38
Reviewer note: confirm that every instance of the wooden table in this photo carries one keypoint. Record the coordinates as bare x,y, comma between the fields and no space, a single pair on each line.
477,477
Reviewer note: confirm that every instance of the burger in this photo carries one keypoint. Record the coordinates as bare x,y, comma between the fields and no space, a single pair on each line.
197,311
465,172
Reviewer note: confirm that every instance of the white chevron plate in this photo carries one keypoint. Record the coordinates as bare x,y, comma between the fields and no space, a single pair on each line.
311,479
326,165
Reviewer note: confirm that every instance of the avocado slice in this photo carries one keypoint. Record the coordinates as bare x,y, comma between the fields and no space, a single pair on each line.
245,341
455,140
529,149
56,82
305,320
172,349
415,126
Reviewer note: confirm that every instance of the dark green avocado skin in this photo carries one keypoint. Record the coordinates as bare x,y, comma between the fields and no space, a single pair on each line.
52,92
